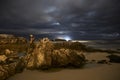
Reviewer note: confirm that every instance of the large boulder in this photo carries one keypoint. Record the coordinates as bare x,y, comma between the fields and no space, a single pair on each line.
7,70
66,57
10,65
40,55
43,56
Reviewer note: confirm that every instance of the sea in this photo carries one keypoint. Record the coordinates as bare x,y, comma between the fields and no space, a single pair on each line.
102,44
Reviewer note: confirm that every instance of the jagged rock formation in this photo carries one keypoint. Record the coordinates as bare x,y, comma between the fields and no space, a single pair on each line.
6,56
66,57
10,64
44,56
7,70
40,55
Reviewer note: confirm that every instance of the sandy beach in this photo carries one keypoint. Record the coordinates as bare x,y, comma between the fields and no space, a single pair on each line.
88,72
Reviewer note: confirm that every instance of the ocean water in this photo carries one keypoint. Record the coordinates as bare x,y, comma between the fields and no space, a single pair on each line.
103,44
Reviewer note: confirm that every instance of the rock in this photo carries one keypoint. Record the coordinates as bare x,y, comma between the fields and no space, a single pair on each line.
92,61
102,62
11,66
29,61
3,58
7,52
32,38
114,58
43,56
10,39
59,39
6,36
66,58
8,70
20,66
40,55
21,40
2,73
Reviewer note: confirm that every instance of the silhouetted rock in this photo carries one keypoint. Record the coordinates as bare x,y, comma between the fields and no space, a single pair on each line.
43,56
114,58
59,40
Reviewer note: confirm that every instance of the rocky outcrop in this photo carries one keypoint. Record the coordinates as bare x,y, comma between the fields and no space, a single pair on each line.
44,56
7,70
6,36
10,39
6,56
114,58
66,57
10,64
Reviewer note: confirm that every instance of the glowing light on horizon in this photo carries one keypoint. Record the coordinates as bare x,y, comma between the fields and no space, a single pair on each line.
67,38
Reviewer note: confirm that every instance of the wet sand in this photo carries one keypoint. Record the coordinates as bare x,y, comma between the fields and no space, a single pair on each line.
89,72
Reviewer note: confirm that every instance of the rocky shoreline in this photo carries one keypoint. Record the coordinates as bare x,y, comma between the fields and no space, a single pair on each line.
7,70
43,56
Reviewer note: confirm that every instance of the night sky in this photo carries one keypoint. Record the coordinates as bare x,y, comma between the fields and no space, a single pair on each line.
68,19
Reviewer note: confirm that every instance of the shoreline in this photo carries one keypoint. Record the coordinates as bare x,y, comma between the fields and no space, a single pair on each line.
101,72
91,71
59,55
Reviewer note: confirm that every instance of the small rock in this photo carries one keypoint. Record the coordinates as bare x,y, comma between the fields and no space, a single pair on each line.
7,51
3,58
102,62
114,58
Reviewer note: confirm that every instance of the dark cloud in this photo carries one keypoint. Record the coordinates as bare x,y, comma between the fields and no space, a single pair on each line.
78,19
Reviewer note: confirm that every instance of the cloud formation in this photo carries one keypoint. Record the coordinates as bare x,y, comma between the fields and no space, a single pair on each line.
81,19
